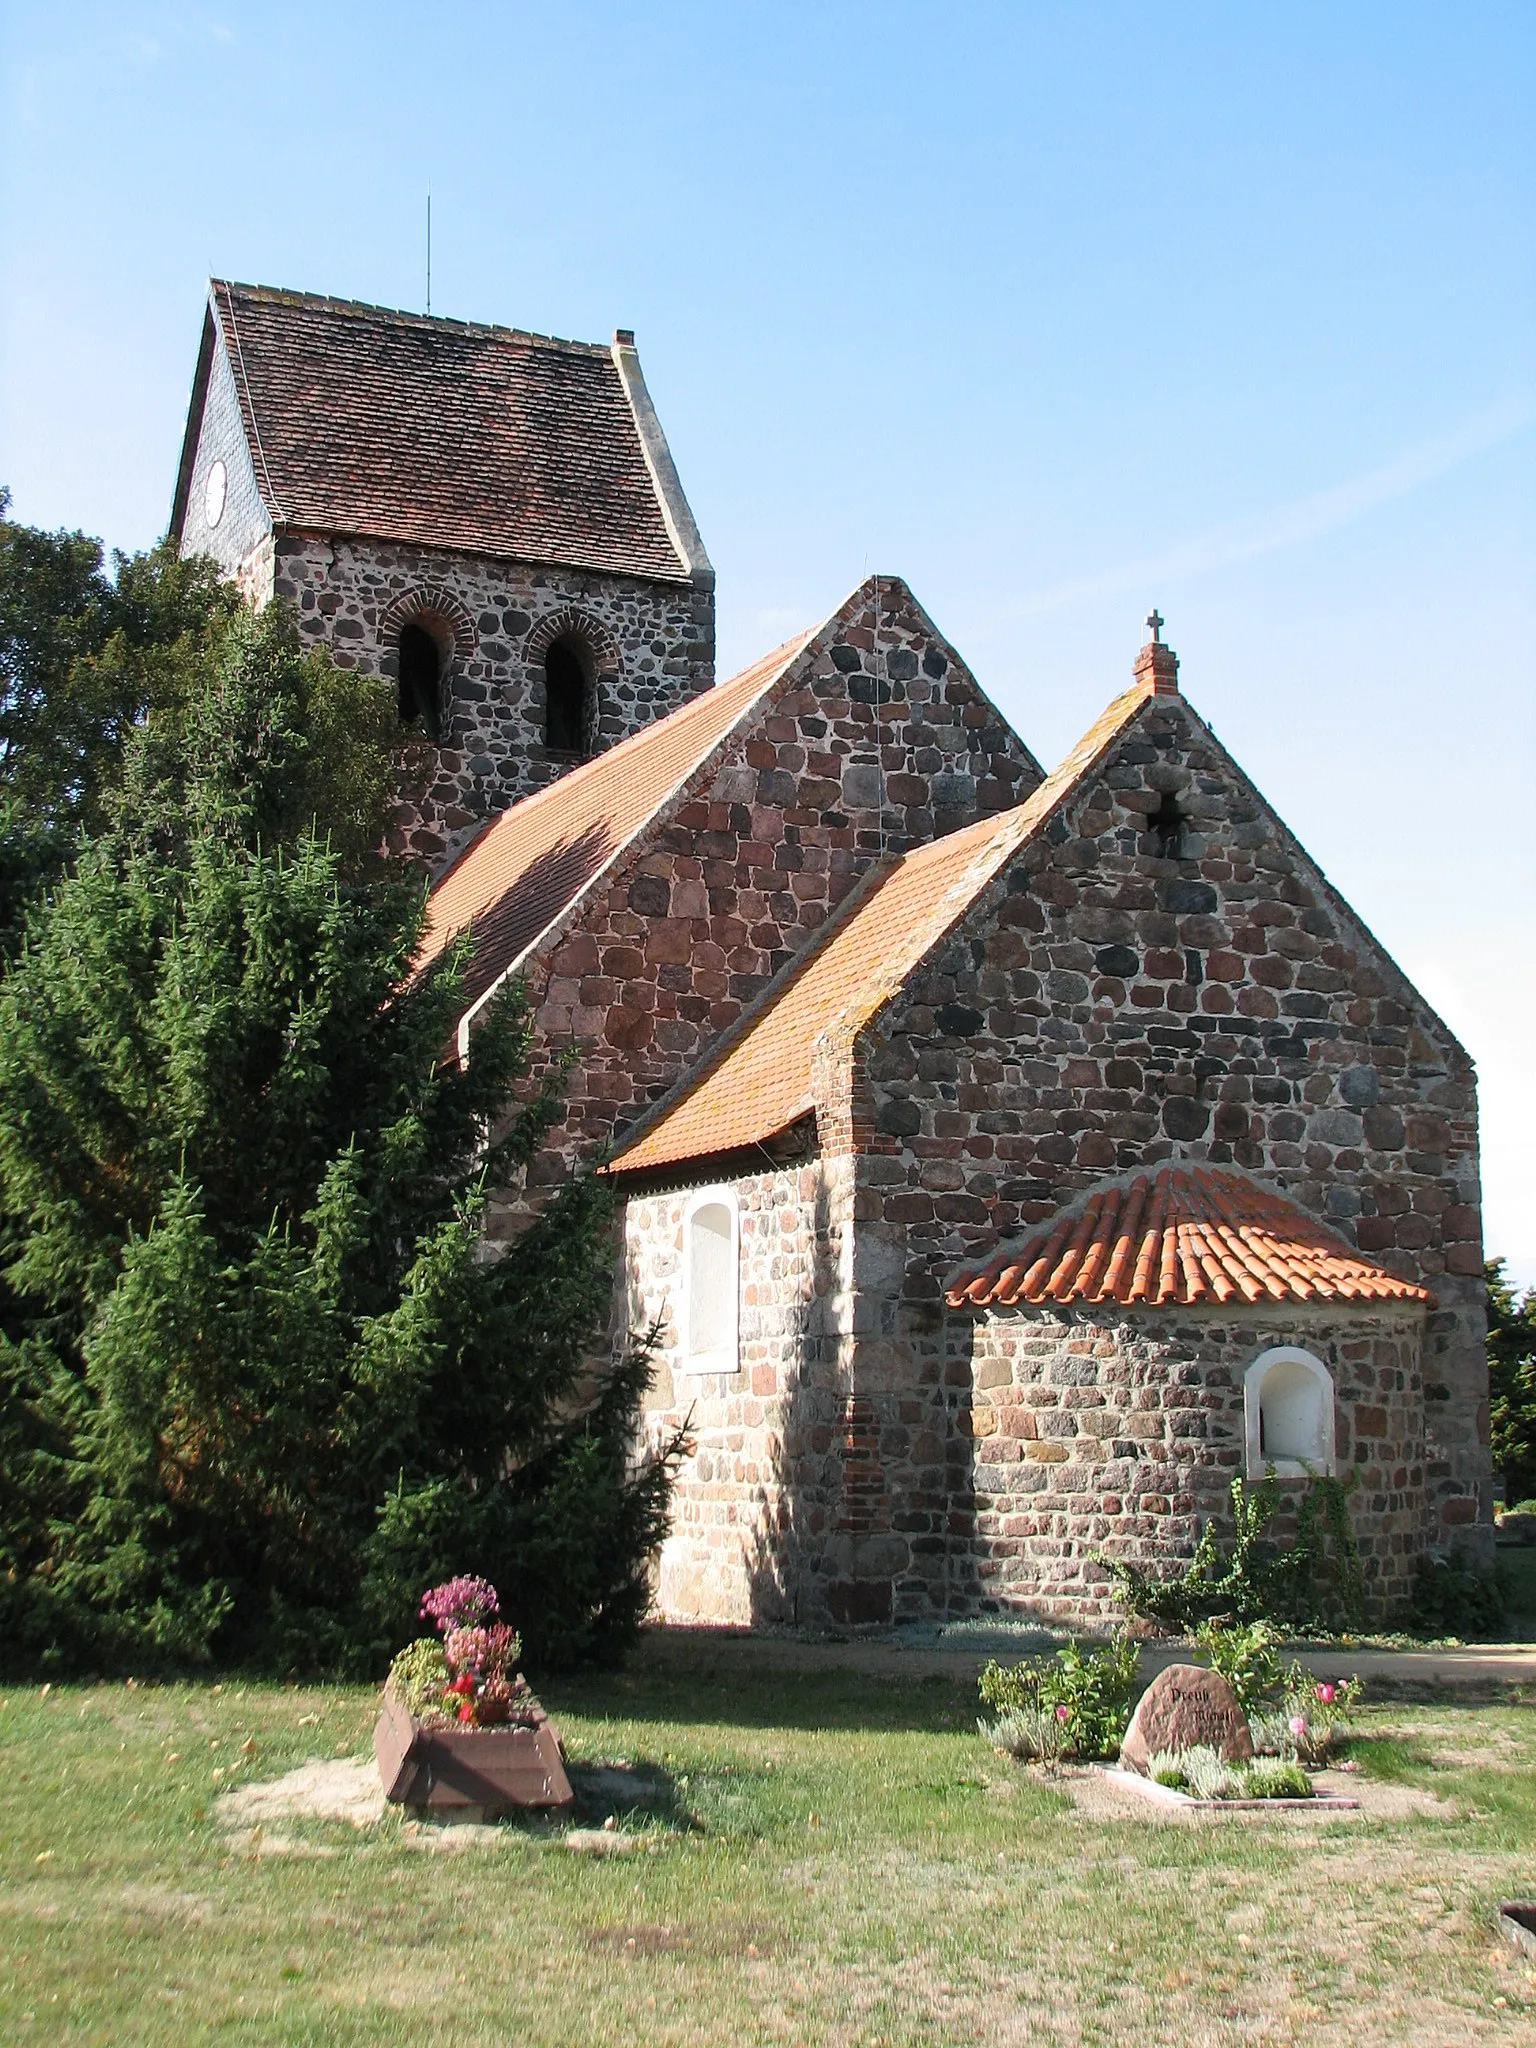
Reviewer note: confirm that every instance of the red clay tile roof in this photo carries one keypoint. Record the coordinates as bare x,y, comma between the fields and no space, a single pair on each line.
759,1080
1180,1234
442,434
513,881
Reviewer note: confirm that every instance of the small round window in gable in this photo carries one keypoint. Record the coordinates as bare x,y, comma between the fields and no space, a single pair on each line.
215,491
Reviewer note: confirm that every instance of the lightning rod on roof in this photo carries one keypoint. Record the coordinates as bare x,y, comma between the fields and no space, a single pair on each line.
429,250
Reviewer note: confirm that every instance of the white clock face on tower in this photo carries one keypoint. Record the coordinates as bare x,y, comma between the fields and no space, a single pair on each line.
214,493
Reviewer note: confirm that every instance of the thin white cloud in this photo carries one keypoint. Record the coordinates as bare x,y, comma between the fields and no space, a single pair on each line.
1304,519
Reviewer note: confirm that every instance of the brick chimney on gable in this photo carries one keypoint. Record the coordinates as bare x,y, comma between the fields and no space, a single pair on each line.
1157,664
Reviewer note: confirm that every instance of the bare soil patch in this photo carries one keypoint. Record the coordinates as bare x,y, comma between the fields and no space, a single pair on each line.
344,1789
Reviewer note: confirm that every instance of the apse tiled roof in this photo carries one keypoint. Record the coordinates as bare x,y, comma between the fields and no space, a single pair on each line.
441,434
513,880
759,1080
1180,1234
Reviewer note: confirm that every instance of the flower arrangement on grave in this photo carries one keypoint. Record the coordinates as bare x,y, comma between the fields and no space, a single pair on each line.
465,1676
1075,1703
1312,1721
1291,1713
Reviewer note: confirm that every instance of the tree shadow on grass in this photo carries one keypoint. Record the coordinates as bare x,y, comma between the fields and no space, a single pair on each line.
632,1792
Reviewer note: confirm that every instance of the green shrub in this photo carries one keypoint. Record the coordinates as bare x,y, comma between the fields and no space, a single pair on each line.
1032,1734
1314,1583
1455,1597
258,1383
1088,1691
419,1676
1246,1657
1511,1382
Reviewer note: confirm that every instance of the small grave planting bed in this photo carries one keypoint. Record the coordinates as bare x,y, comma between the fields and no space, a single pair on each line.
459,1735
1190,1744
469,1773
1192,1741
1171,1795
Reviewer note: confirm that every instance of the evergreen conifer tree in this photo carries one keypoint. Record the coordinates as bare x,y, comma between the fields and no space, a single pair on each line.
259,1380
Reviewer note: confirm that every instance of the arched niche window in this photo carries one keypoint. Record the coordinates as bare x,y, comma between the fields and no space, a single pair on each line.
567,699
710,1283
422,658
1288,1412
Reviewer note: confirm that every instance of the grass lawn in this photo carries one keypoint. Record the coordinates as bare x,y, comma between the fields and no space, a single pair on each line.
844,1861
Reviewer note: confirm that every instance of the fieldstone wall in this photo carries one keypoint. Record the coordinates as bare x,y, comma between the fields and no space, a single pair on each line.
1103,1006
760,1495
1123,1435
878,738
821,1492
649,645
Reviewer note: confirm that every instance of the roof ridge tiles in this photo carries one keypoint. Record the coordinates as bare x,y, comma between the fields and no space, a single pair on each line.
284,295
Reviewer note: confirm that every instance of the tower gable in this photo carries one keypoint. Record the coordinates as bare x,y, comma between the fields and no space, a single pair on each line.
432,433
219,509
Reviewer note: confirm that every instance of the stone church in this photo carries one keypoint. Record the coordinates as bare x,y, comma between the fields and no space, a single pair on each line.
1006,1159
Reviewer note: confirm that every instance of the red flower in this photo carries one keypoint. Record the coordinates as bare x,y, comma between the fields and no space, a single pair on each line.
466,1710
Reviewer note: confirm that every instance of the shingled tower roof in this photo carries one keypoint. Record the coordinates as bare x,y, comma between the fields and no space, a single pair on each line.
437,433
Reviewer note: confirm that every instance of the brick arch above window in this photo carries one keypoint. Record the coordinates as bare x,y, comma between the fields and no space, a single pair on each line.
431,601
589,633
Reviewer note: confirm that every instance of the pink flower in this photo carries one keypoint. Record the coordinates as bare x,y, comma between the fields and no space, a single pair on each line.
1298,1724
1325,1694
484,1651
1063,1713
460,1603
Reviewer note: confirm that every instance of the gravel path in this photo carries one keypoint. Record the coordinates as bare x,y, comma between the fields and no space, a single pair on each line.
1485,1667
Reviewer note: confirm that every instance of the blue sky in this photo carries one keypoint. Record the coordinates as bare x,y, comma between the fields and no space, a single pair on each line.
1057,311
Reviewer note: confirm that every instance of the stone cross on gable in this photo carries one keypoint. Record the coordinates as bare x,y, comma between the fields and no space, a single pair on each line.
1157,663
